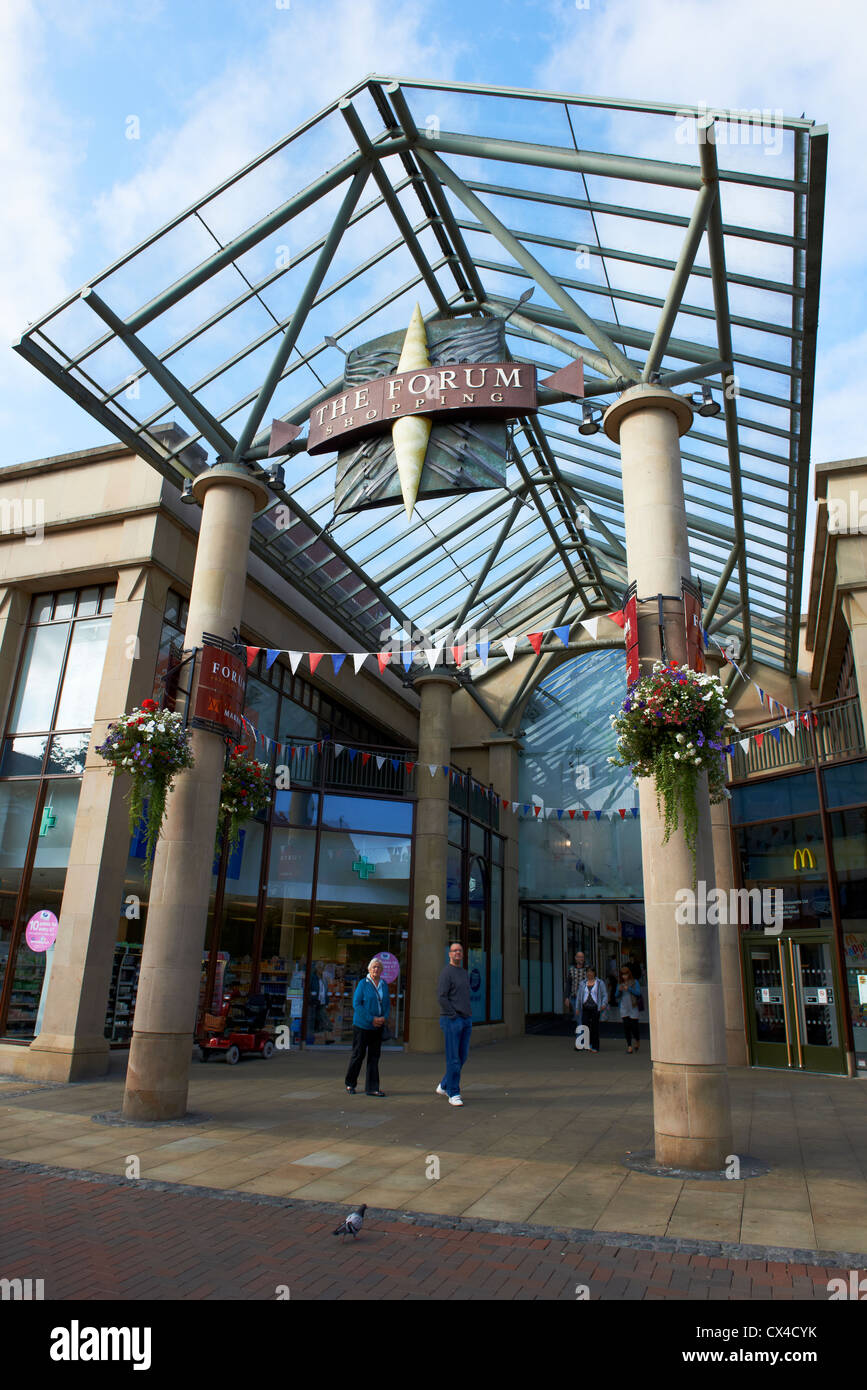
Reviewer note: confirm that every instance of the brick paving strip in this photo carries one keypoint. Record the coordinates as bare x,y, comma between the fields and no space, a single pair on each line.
93,1236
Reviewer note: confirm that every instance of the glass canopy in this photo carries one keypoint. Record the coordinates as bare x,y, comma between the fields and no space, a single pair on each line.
660,242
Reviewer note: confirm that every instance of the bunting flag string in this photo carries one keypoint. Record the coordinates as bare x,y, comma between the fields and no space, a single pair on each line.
524,811
459,651
766,699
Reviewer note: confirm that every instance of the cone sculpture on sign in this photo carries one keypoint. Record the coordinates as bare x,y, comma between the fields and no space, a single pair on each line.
410,435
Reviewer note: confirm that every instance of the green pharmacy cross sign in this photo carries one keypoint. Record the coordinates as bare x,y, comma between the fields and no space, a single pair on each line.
363,868
49,820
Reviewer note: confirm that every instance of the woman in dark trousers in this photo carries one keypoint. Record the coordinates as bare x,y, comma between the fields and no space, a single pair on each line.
593,997
628,996
370,1005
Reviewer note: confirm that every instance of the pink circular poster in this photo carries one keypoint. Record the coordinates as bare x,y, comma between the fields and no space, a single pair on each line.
41,930
390,967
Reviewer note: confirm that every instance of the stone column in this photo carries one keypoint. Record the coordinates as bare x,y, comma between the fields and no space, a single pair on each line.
71,1045
160,1054
431,847
503,764
729,932
691,1108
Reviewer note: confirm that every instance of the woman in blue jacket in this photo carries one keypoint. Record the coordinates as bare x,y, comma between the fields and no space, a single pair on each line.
628,996
370,1005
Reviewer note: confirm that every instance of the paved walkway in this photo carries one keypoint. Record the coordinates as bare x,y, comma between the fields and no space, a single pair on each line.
540,1141
101,1238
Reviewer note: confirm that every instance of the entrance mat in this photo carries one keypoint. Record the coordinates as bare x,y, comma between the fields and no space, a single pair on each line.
645,1162
835,1259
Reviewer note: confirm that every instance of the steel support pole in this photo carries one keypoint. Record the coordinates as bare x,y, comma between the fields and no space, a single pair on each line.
722,585
215,433
682,272
534,268
716,252
302,309
362,139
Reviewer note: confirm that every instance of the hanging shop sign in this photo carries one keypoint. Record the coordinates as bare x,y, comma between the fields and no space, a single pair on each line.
630,633
219,702
423,414
694,631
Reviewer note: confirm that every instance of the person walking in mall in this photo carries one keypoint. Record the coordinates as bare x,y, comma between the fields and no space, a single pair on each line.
577,973
370,1005
593,1003
453,993
628,996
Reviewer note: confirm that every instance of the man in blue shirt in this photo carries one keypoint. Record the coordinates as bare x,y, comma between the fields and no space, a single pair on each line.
370,1005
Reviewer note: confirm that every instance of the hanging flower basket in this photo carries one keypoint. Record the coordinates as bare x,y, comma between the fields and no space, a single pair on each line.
673,726
244,793
151,746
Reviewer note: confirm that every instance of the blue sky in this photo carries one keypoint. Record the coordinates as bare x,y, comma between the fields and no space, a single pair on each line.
212,84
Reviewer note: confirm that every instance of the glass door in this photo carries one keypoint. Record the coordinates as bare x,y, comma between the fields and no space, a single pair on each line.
816,1006
793,1005
767,1005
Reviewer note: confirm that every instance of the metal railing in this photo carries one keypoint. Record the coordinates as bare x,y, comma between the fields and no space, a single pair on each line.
359,767
831,733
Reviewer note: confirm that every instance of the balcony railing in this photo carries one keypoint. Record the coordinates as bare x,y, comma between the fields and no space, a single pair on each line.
359,767
837,734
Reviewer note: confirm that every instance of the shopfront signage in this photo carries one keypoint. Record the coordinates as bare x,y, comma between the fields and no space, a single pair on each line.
423,413
41,930
220,691
390,967
803,859
485,388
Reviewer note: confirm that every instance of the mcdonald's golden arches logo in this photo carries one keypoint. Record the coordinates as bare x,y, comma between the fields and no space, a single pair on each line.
803,859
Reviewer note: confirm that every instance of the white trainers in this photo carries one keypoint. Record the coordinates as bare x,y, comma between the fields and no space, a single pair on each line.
441,1092
455,1100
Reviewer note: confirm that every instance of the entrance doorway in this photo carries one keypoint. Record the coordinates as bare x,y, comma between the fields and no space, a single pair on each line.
793,1003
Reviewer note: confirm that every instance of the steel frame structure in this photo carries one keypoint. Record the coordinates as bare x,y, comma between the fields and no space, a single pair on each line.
413,211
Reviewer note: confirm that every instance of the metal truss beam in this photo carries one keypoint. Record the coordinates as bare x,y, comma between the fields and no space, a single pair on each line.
574,313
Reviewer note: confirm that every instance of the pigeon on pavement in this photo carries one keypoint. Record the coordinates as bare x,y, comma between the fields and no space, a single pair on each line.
352,1225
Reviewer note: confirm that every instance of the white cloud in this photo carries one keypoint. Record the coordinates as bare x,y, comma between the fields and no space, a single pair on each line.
38,154
299,66
748,54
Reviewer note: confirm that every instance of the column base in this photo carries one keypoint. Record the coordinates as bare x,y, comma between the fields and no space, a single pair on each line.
691,1116
158,1076
55,1057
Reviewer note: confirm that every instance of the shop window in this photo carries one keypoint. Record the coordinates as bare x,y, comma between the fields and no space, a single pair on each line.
846,785
56,688
80,689
849,844
260,708
44,651
788,855
775,796
363,813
